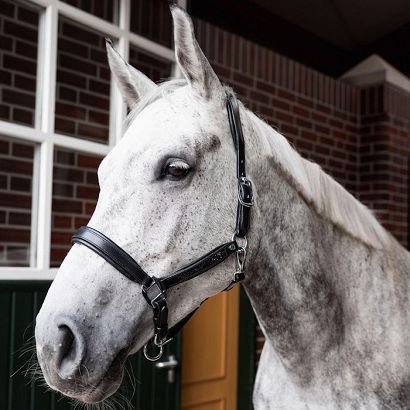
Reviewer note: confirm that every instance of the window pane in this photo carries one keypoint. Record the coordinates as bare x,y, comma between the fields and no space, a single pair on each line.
152,19
152,67
83,83
104,9
18,61
16,183
75,193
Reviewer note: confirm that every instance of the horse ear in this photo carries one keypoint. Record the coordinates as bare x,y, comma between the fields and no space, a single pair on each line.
191,60
132,83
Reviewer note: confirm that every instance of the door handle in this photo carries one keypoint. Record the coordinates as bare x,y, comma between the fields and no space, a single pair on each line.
169,365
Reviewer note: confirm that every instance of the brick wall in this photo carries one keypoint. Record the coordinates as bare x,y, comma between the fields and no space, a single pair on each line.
83,83
318,114
384,157
16,172
75,193
360,137
104,9
152,19
153,67
18,62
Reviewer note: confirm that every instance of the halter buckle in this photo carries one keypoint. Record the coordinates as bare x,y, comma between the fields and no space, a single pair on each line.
153,292
245,192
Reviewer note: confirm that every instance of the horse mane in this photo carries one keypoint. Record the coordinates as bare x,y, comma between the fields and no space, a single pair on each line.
322,192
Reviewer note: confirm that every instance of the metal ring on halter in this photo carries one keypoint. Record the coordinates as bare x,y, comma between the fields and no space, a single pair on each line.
241,241
153,358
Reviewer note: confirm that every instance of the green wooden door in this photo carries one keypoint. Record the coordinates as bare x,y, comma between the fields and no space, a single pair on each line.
19,304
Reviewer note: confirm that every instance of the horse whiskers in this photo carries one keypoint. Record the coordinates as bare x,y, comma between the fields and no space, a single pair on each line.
86,369
131,377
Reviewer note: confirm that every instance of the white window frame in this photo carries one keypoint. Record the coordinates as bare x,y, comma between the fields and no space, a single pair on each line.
43,133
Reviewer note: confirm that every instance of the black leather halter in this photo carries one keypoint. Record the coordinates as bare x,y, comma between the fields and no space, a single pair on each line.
155,289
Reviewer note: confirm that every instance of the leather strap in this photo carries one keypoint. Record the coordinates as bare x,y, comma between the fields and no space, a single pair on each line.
201,265
245,194
111,252
155,289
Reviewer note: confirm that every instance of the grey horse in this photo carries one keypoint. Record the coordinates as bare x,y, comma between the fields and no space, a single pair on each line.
328,284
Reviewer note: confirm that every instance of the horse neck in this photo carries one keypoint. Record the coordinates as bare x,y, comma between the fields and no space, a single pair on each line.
303,271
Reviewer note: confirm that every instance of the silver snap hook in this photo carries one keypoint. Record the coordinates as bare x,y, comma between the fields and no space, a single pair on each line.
153,358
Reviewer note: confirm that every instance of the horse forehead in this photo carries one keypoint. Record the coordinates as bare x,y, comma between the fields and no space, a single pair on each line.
173,116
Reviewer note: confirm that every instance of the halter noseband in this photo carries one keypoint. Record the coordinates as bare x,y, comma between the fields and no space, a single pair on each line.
155,289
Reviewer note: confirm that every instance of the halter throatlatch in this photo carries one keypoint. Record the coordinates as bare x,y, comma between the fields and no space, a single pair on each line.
155,289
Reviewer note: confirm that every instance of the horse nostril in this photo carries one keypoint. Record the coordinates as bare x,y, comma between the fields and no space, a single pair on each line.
66,342
69,352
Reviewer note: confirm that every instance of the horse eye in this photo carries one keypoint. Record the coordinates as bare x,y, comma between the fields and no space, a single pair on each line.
176,169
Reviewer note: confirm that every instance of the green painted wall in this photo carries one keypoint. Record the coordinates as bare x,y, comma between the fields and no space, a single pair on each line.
19,304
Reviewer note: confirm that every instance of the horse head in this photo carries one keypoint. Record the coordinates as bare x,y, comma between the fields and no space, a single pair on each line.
168,195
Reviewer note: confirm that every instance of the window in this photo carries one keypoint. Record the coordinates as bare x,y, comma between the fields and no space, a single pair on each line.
60,115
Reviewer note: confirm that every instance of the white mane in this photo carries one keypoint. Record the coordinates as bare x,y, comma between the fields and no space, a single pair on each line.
327,196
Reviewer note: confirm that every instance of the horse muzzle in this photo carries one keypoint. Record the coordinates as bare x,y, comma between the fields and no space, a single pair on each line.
68,366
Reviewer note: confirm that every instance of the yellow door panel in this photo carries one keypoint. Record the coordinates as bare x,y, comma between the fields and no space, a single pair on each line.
209,355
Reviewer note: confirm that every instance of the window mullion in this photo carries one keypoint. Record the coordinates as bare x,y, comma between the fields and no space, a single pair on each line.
48,62
118,109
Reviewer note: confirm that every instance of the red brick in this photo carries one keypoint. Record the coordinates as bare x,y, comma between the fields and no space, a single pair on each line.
286,95
62,221
68,174
4,146
25,83
14,235
79,222
76,64
93,132
70,110
88,161
67,206
62,238
79,33
22,31
98,117
23,116
18,98
265,87
243,79
99,87
67,78
65,157
64,190
18,167
13,200
27,50
20,218
64,126
89,208
87,192
20,184
94,101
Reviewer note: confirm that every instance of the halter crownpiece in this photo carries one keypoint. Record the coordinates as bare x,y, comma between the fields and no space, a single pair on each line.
155,289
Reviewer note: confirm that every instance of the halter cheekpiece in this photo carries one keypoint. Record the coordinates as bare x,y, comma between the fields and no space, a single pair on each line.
155,289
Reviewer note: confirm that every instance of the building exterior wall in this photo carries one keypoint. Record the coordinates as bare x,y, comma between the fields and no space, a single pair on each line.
359,136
